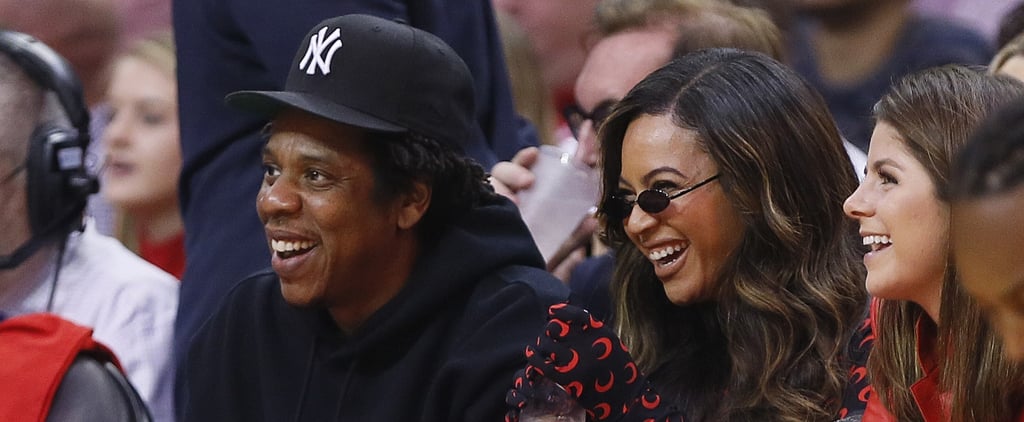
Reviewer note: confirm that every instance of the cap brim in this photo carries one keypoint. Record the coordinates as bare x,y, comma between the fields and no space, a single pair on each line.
269,103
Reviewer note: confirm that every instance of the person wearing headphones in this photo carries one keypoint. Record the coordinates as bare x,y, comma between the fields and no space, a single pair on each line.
51,259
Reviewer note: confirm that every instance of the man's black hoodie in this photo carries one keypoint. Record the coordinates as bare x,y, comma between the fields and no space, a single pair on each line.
444,349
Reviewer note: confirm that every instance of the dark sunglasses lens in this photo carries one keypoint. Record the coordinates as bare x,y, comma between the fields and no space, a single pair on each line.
601,114
574,118
652,201
616,208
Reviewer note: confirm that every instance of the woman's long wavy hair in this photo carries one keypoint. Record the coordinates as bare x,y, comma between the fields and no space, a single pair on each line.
935,112
769,344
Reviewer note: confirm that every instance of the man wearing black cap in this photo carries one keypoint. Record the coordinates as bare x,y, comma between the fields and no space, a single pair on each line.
402,288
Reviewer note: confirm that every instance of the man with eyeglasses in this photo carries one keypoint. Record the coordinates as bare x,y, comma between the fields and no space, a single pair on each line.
634,42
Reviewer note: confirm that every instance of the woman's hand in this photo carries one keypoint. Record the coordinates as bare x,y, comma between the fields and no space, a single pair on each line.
586,358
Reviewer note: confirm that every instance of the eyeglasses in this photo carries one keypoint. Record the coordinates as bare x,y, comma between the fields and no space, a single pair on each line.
575,117
652,201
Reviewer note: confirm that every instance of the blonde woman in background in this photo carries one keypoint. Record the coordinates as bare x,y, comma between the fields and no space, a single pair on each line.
143,157
531,96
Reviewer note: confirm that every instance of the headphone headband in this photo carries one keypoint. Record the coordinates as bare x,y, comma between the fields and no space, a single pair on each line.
58,184
51,71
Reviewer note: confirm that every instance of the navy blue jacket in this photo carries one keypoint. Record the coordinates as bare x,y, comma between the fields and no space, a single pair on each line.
926,42
590,283
444,349
229,45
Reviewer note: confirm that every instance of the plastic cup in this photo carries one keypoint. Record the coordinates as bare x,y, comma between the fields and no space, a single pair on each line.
549,402
563,193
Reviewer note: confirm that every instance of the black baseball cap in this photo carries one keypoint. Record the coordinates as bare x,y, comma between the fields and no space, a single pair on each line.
375,74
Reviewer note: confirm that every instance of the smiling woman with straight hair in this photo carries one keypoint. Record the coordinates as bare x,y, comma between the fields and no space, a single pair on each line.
934,358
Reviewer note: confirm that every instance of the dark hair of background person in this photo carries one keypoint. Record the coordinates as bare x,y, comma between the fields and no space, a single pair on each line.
934,111
769,344
457,183
724,25
992,162
1010,26
782,12
699,24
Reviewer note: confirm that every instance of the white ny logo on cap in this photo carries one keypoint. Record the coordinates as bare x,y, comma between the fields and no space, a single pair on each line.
314,57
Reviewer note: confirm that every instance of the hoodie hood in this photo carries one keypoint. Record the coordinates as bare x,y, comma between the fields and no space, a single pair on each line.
487,238
443,349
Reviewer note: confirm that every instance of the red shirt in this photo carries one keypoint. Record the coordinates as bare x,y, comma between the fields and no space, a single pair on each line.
931,402
36,351
169,254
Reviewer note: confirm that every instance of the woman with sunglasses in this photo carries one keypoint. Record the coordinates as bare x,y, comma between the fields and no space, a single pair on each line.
737,285
934,357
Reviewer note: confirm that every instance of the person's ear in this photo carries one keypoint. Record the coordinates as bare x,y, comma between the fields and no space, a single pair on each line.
413,205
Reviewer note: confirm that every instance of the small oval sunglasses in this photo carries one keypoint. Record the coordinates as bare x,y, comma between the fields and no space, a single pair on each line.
652,201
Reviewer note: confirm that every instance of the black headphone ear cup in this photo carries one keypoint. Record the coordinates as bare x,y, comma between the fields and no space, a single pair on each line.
39,181
58,184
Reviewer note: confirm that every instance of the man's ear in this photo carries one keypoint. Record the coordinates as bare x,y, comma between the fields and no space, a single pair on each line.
413,205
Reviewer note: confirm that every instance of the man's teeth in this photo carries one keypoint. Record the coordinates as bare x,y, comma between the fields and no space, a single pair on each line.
880,240
283,246
661,253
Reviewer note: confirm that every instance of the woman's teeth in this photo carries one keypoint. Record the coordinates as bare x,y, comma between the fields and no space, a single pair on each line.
659,254
877,240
